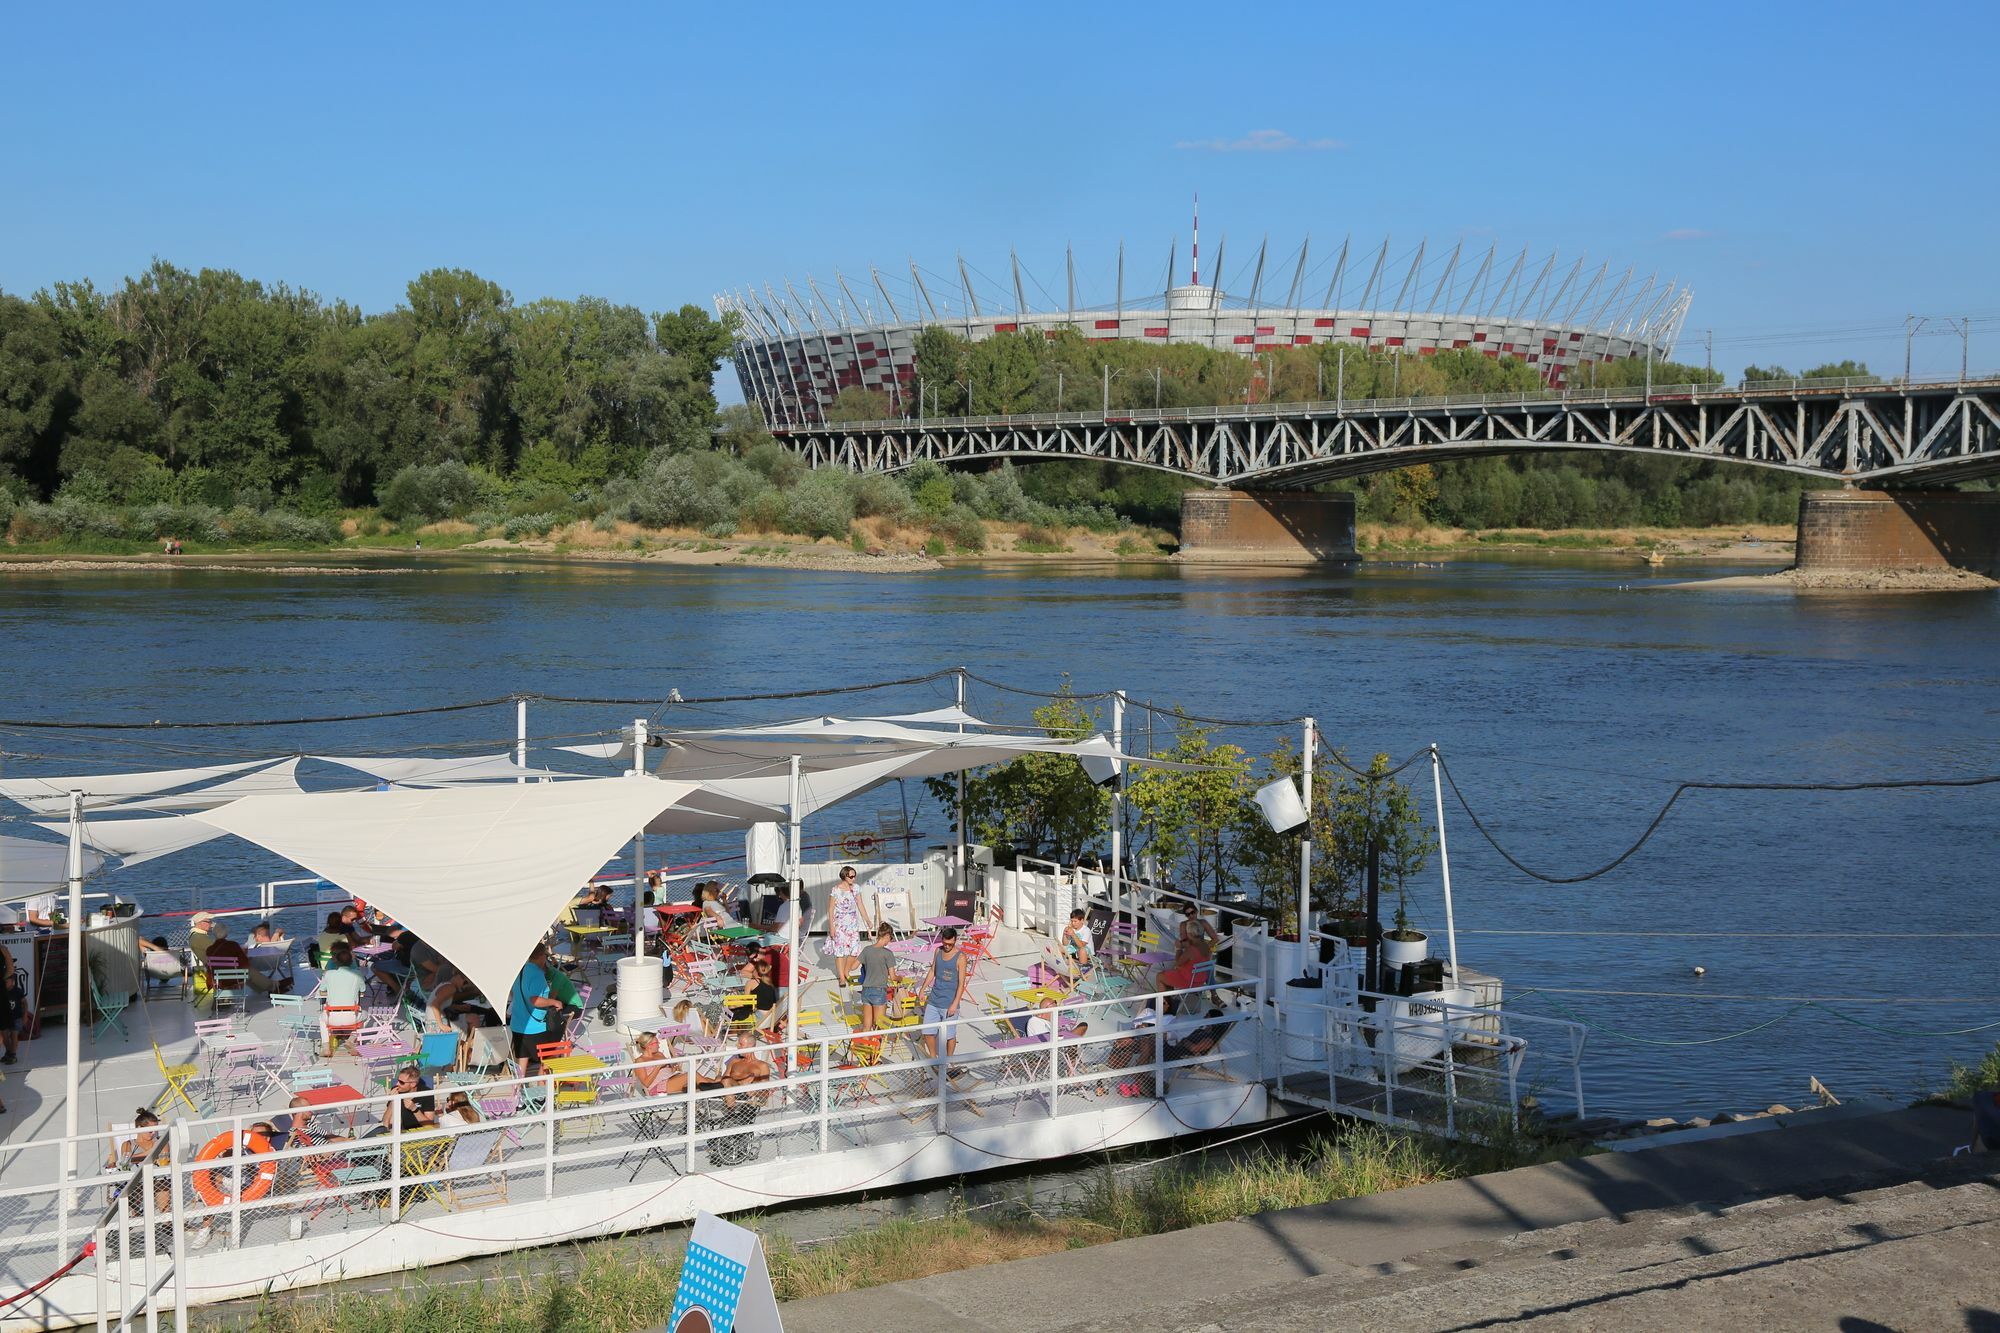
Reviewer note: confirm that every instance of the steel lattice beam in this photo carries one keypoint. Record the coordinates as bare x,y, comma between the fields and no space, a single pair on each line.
1869,434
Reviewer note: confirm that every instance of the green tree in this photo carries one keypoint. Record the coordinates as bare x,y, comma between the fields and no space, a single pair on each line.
1040,804
1193,817
1375,808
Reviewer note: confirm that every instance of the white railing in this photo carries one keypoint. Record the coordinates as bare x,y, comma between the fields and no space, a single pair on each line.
542,1149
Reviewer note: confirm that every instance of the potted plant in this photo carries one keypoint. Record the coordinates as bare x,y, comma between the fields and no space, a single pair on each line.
1405,944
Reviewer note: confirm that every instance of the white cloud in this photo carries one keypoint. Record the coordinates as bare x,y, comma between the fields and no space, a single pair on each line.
1688,234
1261,141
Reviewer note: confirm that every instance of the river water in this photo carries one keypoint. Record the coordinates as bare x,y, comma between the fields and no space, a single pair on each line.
1568,696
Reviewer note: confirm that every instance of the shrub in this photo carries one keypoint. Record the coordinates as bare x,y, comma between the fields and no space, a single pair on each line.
879,495
605,523
726,528
442,490
72,519
202,523
692,490
822,504
935,548
1040,540
301,529
775,464
964,529
485,518
930,487
245,526
522,526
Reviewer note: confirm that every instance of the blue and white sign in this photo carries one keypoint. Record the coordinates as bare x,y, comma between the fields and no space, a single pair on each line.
725,1277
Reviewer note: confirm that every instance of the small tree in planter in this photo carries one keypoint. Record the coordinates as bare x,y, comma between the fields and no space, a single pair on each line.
1377,808
1271,859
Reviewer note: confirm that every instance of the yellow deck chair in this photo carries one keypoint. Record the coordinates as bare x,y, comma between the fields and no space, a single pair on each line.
177,1077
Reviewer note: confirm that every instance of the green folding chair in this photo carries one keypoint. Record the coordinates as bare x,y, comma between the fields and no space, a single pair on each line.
108,1007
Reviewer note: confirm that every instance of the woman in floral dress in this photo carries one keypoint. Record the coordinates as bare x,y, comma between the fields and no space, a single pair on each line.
844,920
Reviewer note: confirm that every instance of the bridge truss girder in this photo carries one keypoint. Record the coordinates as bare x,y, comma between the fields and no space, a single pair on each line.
1877,435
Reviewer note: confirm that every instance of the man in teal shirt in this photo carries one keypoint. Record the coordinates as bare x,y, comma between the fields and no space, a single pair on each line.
530,1007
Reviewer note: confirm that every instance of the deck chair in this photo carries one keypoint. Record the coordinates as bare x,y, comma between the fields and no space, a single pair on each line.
338,1023
438,1050
476,1148
893,906
108,1007
177,1077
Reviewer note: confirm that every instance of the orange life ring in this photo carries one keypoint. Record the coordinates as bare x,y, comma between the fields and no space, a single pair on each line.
860,844
254,1145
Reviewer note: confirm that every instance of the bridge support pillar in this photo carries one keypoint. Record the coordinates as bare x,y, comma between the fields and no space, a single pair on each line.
1275,527
1845,533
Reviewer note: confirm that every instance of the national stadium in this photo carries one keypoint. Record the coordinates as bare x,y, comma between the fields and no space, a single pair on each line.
799,344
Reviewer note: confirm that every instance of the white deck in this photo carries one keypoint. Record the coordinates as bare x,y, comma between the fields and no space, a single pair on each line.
586,1170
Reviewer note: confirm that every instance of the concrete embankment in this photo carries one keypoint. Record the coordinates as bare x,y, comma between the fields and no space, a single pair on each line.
1674,1236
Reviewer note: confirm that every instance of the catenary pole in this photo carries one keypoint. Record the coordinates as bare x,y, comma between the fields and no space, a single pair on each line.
1311,743
962,884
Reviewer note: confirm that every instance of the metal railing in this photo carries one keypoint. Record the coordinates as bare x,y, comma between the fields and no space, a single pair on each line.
543,1149
1637,395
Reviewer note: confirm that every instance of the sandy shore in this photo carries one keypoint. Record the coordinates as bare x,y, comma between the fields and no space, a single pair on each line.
1883,580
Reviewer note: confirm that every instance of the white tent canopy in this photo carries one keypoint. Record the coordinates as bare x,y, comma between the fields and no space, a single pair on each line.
136,841
279,779
478,872
435,772
29,868
51,795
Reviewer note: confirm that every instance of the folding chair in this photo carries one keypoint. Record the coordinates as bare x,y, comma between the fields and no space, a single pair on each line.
438,1050
341,1022
108,1007
177,1077
227,985
475,1148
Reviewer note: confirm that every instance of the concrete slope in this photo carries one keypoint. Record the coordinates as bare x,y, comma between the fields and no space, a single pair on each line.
1210,1274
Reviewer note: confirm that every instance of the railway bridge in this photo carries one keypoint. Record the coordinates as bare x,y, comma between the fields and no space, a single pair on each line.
1892,441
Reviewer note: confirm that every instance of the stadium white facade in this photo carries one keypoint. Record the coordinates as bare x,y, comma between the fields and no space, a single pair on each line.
797,350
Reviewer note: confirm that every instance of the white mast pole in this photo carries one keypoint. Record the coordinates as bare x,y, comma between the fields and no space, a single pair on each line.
639,846
521,736
794,871
1444,860
1311,740
963,883
1117,806
73,1018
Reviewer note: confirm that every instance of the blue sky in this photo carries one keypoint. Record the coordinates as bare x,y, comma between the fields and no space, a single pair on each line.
1821,168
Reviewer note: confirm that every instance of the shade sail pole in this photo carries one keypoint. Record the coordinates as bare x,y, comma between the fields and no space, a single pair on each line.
521,737
795,870
639,846
1117,807
963,884
73,1017
1444,860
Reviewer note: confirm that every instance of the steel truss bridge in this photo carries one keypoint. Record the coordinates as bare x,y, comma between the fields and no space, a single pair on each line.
1872,432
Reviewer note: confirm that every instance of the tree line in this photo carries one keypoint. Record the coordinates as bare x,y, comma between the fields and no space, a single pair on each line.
208,387
204,401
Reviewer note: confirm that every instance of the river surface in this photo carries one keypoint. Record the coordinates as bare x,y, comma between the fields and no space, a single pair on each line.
1568,696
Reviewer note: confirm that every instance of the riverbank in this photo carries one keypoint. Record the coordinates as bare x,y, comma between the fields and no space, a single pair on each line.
870,548
619,1285
1873,580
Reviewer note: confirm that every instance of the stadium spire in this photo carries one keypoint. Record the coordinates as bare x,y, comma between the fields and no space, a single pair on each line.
1196,278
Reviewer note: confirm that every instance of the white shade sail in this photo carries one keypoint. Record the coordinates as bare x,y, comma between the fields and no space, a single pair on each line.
478,872
136,841
29,868
51,795
279,779
435,772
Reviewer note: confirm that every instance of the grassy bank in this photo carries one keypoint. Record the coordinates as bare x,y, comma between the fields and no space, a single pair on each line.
615,1286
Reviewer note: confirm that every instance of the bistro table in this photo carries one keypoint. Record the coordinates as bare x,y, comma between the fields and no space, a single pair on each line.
331,1096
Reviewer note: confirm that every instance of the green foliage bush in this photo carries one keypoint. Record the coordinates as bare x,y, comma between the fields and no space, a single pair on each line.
419,494
523,526
822,504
